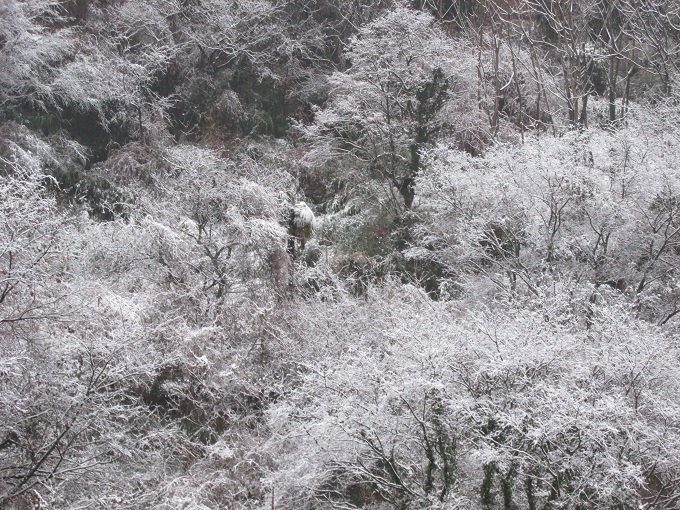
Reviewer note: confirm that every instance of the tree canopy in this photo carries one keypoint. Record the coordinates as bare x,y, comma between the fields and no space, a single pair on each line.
476,306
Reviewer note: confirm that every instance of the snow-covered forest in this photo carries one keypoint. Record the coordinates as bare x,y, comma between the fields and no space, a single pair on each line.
483,314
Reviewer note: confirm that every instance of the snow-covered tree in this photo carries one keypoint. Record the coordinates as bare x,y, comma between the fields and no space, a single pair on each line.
387,107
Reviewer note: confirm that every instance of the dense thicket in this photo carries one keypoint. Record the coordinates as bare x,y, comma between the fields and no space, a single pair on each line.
485,317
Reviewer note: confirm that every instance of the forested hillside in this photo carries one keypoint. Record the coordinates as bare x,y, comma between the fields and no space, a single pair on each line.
483,314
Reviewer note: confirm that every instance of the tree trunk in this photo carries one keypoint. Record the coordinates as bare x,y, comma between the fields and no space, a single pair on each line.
583,117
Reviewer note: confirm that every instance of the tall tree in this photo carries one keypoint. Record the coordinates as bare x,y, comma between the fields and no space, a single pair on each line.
386,107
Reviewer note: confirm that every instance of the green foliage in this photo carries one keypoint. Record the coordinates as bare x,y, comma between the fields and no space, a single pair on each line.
103,200
311,255
429,100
